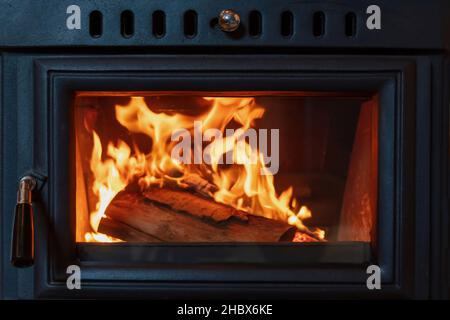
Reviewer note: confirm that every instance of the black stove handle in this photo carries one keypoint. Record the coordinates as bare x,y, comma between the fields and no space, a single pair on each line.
22,247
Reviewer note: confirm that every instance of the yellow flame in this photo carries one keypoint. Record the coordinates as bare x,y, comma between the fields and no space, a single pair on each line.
241,185
99,237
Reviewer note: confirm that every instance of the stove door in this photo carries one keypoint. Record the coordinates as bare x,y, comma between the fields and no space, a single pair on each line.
290,173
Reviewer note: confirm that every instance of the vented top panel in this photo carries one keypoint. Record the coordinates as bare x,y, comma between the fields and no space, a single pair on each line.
396,24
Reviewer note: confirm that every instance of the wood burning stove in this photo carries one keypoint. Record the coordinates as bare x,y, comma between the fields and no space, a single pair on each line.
211,149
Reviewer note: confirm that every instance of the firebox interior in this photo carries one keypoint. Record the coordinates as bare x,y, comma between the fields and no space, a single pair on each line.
323,164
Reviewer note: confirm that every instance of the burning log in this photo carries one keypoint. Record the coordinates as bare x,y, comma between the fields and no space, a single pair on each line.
193,204
192,182
168,215
123,231
200,185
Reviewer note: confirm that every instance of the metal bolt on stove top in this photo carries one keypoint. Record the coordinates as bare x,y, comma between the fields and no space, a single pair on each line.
229,20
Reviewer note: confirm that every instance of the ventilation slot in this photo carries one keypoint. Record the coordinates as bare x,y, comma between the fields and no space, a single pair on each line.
159,24
254,23
318,24
350,24
287,24
95,24
127,24
190,24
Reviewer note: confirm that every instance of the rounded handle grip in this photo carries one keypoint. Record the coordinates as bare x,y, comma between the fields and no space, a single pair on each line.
22,246
22,253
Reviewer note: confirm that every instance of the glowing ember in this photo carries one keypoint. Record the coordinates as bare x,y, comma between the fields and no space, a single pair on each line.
240,185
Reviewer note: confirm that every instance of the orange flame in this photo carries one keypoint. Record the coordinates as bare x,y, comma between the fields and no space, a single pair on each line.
241,185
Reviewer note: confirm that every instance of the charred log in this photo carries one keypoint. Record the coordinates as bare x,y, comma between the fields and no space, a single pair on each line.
161,217
194,205
124,232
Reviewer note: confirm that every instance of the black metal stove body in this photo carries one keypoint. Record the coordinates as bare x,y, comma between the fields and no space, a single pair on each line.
47,55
